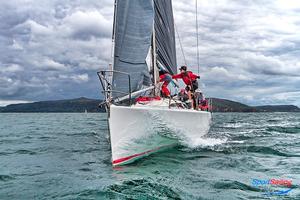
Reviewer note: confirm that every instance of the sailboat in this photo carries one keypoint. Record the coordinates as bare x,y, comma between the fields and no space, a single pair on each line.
144,42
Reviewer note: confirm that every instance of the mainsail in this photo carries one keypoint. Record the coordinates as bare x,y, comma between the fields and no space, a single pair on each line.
165,35
133,32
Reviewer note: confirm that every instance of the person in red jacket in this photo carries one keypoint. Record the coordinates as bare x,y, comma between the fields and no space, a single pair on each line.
166,78
189,79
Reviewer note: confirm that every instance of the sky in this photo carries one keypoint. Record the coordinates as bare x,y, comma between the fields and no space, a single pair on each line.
249,50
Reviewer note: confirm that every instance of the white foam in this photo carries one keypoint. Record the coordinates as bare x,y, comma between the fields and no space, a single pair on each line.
206,142
237,142
236,125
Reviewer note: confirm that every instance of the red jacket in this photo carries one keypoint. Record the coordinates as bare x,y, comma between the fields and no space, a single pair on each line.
187,77
166,78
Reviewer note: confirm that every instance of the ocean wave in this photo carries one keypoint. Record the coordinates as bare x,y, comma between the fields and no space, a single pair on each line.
280,129
23,151
85,133
242,137
268,150
93,123
82,151
228,184
5,178
273,120
241,164
141,189
85,169
237,147
85,194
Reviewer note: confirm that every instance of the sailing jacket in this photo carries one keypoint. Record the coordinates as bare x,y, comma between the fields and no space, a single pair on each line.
166,79
187,77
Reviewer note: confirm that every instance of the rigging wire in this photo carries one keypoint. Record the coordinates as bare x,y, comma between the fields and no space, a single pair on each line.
197,36
180,44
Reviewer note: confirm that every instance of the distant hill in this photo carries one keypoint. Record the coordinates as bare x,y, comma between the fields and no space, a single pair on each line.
278,108
224,105
91,105
69,105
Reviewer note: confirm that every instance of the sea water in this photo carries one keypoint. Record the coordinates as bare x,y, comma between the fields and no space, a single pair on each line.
67,156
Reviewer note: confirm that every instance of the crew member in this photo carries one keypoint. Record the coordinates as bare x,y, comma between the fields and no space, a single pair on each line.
166,78
189,79
182,95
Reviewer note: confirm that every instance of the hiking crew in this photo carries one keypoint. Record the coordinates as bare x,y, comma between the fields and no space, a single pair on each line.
189,79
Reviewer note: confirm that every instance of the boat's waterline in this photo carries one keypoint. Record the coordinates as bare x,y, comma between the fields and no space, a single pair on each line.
137,131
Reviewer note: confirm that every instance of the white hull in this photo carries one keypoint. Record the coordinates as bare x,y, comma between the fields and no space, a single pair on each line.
139,130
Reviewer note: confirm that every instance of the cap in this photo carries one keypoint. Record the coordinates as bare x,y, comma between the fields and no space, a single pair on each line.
183,68
162,71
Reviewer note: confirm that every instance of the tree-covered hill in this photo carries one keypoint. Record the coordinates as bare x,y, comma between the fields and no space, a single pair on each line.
91,105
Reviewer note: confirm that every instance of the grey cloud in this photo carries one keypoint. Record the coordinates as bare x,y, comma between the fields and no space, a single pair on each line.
251,46
249,50
84,25
41,40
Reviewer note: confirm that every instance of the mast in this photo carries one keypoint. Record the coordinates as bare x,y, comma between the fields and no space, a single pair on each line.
113,35
112,65
163,48
154,62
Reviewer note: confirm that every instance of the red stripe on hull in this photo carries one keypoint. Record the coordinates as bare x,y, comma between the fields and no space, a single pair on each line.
120,160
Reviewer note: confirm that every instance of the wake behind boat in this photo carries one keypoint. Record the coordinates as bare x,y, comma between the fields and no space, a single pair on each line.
138,117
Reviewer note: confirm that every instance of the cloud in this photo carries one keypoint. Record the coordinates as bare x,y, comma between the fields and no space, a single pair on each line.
42,41
80,78
16,45
223,75
8,102
249,50
11,68
49,64
84,25
38,29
